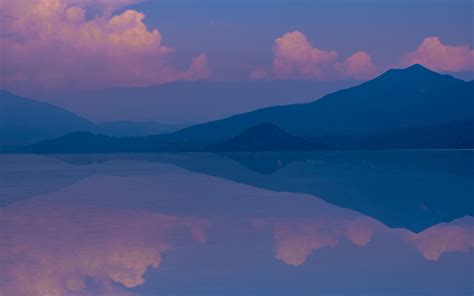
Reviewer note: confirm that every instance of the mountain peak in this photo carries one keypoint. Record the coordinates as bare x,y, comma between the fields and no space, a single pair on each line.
415,72
418,68
265,127
263,137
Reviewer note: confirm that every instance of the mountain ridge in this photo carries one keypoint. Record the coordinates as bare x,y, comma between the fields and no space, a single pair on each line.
399,99
264,137
24,121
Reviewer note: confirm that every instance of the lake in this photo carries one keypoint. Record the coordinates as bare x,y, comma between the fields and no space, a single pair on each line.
309,223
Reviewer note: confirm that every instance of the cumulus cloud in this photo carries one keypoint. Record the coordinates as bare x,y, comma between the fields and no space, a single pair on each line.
52,44
357,66
432,53
294,57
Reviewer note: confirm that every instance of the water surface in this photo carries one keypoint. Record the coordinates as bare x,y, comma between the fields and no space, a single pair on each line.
326,223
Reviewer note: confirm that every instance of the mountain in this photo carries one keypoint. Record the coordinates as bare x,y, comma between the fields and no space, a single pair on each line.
137,128
24,121
194,101
401,98
263,137
401,104
452,135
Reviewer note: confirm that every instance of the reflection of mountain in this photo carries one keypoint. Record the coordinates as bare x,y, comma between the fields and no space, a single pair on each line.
408,108
22,177
296,239
409,189
134,225
52,248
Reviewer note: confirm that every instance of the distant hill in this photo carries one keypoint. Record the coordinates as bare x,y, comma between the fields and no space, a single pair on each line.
137,128
264,137
453,135
24,121
398,109
268,137
193,101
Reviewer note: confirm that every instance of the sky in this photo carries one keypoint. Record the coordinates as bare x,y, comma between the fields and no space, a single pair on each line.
54,45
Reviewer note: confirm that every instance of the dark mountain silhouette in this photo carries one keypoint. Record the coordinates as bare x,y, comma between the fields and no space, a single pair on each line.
453,135
397,107
403,98
24,121
264,137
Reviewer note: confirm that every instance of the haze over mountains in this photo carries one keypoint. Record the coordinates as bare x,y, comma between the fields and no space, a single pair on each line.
191,101
405,98
403,108
126,112
24,121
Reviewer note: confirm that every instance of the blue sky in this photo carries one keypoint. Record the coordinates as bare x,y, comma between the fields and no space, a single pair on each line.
247,29
98,44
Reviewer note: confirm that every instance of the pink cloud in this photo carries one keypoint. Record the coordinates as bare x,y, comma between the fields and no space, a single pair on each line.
294,57
357,66
437,56
258,73
49,44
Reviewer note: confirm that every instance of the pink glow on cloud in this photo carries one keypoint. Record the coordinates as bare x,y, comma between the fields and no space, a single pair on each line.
258,73
357,66
49,44
432,53
294,56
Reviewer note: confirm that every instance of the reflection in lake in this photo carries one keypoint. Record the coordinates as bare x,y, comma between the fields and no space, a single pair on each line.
131,226
53,250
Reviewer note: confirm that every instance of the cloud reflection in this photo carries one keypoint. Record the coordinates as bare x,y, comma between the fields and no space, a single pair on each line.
294,240
57,250
442,238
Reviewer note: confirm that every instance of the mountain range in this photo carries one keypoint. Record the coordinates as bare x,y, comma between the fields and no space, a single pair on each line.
195,101
402,108
24,121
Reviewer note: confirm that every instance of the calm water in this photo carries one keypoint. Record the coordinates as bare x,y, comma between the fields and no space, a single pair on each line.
339,223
